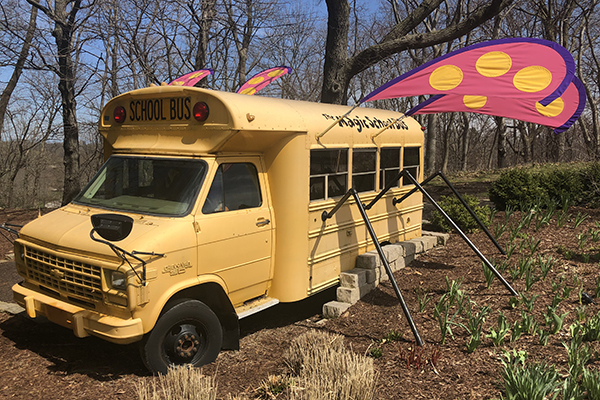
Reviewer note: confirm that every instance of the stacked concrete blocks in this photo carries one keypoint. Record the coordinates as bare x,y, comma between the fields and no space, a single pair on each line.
369,271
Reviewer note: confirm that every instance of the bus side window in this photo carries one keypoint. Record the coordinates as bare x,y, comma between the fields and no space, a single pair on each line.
411,163
328,173
235,187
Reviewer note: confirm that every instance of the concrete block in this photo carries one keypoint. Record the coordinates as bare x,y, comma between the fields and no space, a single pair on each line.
429,242
418,245
368,260
348,295
393,251
410,247
399,263
11,308
442,238
354,278
334,309
373,275
352,295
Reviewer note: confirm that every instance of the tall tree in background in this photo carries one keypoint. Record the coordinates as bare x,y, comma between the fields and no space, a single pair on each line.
64,16
18,69
339,68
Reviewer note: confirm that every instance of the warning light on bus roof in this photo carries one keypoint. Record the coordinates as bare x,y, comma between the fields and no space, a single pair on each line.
201,111
120,114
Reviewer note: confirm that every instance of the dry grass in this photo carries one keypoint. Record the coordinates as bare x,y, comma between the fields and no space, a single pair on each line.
180,383
325,370
320,369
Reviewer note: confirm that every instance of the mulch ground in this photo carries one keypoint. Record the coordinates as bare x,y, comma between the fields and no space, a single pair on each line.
44,361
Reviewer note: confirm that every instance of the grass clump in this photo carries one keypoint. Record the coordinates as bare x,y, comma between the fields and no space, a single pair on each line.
324,369
180,383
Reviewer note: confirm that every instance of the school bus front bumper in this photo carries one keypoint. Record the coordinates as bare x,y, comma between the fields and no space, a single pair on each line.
83,322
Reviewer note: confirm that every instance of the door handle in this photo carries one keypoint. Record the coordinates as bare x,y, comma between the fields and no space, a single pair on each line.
263,222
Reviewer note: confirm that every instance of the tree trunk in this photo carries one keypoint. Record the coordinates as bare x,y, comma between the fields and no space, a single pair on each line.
431,144
335,78
465,142
16,74
64,24
501,135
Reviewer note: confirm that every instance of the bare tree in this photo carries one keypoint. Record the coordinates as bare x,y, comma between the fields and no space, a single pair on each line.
63,15
338,68
18,68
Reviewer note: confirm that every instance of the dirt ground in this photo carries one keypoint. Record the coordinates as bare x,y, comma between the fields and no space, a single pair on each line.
44,361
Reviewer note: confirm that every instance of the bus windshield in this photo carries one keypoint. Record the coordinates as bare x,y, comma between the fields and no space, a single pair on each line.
162,186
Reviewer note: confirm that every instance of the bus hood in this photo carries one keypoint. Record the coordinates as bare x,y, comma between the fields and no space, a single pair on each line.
68,230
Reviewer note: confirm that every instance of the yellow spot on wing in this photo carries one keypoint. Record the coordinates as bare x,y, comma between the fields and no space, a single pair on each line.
551,110
532,79
474,102
446,77
493,64
256,81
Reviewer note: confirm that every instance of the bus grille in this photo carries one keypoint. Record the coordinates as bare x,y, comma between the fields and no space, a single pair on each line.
68,277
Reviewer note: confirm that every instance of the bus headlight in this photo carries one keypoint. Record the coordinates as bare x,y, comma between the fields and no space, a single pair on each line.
118,280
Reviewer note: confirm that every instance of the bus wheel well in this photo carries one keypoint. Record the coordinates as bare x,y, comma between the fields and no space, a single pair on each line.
213,295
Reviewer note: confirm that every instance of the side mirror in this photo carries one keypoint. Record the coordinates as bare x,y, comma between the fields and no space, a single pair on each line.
112,227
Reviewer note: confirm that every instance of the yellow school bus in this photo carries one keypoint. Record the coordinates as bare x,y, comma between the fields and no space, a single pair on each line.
207,210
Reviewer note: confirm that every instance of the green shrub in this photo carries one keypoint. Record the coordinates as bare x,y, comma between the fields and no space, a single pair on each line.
459,214
515,187
547,184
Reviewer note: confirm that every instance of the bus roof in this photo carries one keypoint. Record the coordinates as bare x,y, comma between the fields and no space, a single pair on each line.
159,120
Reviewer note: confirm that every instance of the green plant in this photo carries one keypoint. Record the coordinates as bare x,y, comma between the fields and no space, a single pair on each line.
498,333
590,330
597,288
579,354
516,331
579,218
554,320
562,218
591,383
528,382
499,230
530,278
546,264
375,352
580,311
488,274
453,207
474,325
423,298
529,302
513,302
514,187
392,336
528,323
544,336
582,238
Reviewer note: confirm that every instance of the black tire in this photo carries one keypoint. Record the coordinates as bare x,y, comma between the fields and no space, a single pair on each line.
189,332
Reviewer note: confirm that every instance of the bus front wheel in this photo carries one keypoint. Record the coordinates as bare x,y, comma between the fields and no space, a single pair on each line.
187,333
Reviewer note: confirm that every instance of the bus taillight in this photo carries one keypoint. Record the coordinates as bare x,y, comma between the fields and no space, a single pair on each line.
201,111
120,114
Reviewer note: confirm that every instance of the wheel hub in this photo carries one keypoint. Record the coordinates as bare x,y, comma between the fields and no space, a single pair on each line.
186,343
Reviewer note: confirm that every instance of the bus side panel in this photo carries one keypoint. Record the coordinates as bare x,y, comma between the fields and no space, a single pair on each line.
335,244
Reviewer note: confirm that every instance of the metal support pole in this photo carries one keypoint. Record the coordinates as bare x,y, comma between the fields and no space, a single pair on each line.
460,232
388,270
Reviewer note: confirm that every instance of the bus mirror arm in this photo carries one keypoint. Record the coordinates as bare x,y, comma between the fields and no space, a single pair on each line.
123,255
9,229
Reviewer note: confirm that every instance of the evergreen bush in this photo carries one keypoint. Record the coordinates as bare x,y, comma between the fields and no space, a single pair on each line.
459,214
577,184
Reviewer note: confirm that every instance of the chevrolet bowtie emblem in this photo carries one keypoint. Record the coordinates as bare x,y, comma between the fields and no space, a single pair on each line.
58,274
